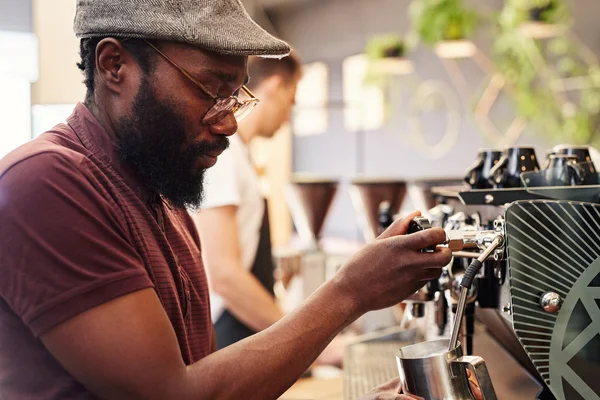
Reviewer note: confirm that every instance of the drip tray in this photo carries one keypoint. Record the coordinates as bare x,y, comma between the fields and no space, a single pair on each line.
372,361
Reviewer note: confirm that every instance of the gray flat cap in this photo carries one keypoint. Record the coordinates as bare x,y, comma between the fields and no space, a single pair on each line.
222,26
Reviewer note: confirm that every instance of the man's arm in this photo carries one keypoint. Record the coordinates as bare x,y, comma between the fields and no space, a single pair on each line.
127,349
243,294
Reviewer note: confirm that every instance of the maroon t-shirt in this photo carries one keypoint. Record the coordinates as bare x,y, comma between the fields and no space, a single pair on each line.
77,230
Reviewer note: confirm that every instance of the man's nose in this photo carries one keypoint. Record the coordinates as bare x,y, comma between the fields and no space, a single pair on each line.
226,126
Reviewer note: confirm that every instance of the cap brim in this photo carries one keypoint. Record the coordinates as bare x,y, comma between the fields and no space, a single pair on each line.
223,30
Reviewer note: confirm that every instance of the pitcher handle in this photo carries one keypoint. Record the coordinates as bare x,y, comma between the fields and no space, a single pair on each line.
481,374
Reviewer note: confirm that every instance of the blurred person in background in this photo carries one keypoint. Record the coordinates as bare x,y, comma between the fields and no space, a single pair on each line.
233,223
103,292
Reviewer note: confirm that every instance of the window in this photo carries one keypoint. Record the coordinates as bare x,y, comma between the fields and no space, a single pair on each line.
365,107
311,115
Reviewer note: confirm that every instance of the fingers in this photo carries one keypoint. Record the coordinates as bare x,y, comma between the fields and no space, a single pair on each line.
409,397
410,248
393,384
399,227
424,239
430,273
439,258
386,391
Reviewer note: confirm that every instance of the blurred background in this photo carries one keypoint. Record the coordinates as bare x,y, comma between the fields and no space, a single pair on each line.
398,89
396,97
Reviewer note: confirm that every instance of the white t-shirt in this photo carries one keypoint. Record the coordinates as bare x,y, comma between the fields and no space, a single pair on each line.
233,181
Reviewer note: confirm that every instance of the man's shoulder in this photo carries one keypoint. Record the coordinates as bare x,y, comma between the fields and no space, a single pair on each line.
42,151
46,158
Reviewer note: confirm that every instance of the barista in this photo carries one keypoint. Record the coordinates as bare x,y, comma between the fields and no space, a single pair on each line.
233,222
103,293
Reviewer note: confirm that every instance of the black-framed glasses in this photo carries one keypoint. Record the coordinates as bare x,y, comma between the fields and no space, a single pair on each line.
223,105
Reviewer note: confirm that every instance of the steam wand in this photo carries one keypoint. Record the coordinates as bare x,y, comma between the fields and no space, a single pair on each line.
466,283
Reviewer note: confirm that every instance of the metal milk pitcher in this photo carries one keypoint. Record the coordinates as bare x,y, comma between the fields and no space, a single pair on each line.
432,372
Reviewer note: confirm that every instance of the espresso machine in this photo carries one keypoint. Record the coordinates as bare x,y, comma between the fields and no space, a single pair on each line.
535,295
538,295
546,255
309,199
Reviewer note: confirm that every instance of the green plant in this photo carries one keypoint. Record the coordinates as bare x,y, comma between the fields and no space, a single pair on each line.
534,70
548,11
385,45
439,20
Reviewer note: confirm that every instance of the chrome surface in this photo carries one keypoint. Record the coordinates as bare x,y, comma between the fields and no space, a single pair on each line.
431,371
462,301
551,302
460,312
554,246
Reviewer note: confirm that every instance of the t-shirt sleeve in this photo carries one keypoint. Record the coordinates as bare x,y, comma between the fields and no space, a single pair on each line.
221,185
64,246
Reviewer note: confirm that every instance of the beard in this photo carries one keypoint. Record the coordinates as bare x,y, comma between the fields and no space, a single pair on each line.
154,143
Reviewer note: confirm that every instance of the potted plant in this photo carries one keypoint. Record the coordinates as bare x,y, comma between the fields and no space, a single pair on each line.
387,55
533,70
546,12
543,18
446,25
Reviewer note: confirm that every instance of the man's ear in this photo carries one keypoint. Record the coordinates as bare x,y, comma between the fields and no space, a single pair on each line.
110,59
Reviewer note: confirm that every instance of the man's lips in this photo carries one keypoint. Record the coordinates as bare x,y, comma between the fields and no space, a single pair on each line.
207,154
207,161
215,153
209,158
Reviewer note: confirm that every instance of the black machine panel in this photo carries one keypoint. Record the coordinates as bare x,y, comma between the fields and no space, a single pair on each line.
553,248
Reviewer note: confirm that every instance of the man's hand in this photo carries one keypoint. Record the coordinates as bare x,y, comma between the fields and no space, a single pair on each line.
388,391
391,391
393,267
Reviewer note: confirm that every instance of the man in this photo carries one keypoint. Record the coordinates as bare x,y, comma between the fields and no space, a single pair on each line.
103,293
233,224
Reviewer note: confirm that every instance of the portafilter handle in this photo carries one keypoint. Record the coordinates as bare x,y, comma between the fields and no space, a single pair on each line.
456,240
420,224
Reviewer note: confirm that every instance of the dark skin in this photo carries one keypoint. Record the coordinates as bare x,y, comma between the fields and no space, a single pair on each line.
119,77
127,349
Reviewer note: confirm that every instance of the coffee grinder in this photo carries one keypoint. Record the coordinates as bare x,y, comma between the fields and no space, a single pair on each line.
376,201
309,199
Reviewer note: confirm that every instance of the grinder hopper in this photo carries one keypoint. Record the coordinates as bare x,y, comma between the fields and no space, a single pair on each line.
367,196
309,199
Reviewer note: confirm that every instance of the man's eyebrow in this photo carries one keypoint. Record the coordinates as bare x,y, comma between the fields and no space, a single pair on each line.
226,77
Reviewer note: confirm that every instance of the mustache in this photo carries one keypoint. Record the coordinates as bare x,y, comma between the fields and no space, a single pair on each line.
219,145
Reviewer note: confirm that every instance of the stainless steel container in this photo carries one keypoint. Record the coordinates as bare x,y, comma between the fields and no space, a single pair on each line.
430,371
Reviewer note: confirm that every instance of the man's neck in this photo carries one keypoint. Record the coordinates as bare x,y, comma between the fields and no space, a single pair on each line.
103,119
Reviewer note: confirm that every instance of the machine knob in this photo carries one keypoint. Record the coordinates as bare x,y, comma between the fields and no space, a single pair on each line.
420,224
551,302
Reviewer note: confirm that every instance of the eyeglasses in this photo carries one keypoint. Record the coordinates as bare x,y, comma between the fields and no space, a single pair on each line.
223,105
